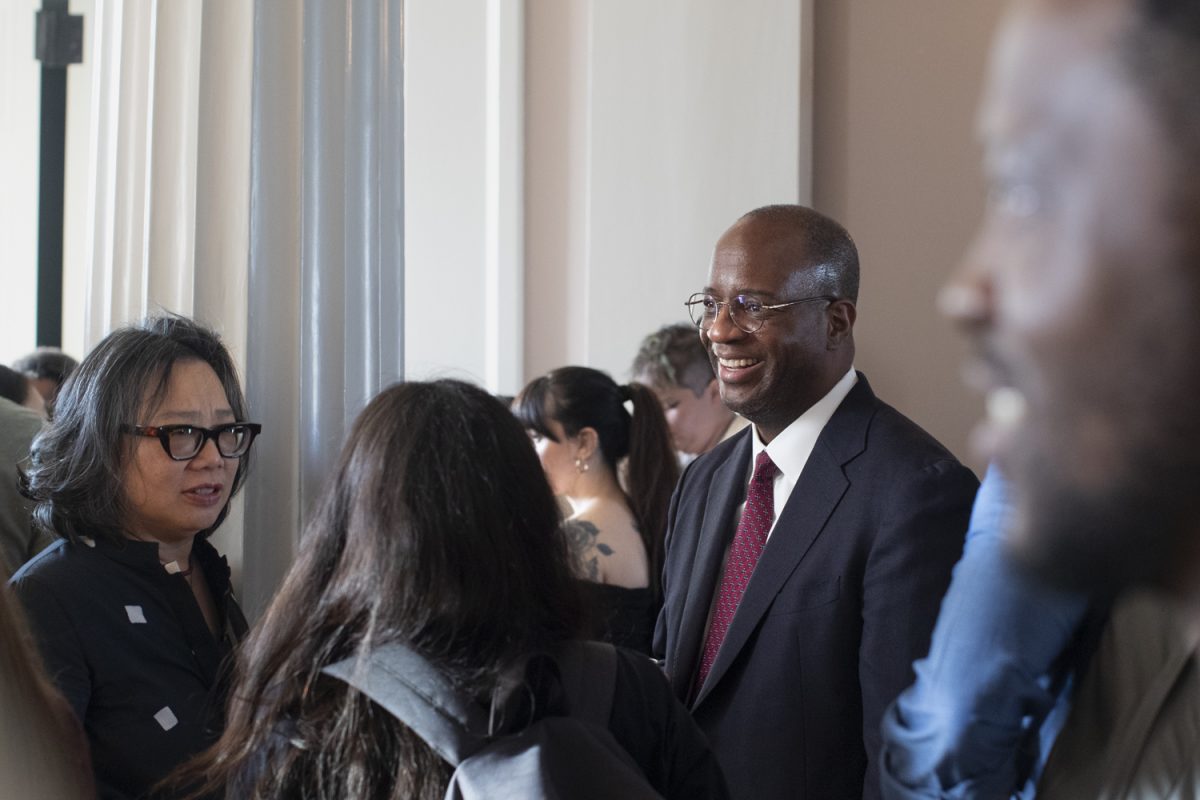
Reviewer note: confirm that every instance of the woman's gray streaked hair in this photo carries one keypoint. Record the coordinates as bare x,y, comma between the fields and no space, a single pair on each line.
77,462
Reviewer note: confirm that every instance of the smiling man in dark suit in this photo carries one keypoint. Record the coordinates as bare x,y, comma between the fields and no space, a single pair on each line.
806,557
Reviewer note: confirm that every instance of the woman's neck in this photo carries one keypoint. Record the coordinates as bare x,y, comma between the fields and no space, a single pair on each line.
594,487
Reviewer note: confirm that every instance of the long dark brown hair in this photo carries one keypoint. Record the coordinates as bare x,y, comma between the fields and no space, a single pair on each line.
437,529
582,397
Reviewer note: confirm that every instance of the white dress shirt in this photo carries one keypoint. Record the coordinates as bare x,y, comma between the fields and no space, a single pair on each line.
792,447
790,451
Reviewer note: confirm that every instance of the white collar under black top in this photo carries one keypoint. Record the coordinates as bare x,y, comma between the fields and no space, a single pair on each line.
794,444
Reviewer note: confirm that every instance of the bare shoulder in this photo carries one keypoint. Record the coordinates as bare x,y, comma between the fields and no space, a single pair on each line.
606,548
583,541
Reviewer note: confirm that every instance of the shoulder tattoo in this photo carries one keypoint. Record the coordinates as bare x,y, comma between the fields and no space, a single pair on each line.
581,542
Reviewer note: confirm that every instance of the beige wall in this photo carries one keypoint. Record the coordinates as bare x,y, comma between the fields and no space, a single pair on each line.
895,161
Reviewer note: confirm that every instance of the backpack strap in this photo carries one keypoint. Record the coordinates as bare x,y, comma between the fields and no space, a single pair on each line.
415,693
588,672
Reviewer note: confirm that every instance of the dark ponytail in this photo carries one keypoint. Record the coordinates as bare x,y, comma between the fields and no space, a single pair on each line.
582,397
652,473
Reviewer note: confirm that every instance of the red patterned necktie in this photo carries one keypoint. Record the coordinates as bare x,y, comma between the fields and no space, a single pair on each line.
747,546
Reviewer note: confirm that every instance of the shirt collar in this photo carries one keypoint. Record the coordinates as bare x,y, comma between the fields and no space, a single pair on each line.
131,552
792,447
144,556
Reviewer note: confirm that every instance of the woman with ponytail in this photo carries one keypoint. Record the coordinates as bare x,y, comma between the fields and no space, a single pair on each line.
616,470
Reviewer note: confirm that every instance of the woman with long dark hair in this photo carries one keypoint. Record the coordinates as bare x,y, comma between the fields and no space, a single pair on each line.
617,470
436,531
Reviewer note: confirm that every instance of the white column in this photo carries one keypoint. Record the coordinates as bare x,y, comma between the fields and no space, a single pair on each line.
464,187
504,214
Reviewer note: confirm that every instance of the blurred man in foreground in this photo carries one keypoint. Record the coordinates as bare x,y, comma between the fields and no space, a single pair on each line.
1082,295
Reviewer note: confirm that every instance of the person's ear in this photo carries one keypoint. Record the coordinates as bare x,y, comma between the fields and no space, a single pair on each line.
840,321
587,441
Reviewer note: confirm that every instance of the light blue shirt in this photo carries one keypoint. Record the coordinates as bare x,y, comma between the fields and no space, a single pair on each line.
985,708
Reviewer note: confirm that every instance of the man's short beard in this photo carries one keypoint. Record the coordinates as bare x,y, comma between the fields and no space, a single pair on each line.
1134,531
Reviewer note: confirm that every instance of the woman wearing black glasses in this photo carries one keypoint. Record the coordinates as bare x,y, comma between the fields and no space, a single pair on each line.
132,608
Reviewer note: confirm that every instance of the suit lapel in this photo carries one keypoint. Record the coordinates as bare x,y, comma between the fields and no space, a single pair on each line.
727,488
817,493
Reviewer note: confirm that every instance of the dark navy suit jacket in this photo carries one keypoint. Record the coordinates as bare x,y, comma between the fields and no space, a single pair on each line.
842,601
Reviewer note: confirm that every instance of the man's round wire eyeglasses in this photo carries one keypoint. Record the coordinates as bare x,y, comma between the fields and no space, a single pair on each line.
184,442
747,311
